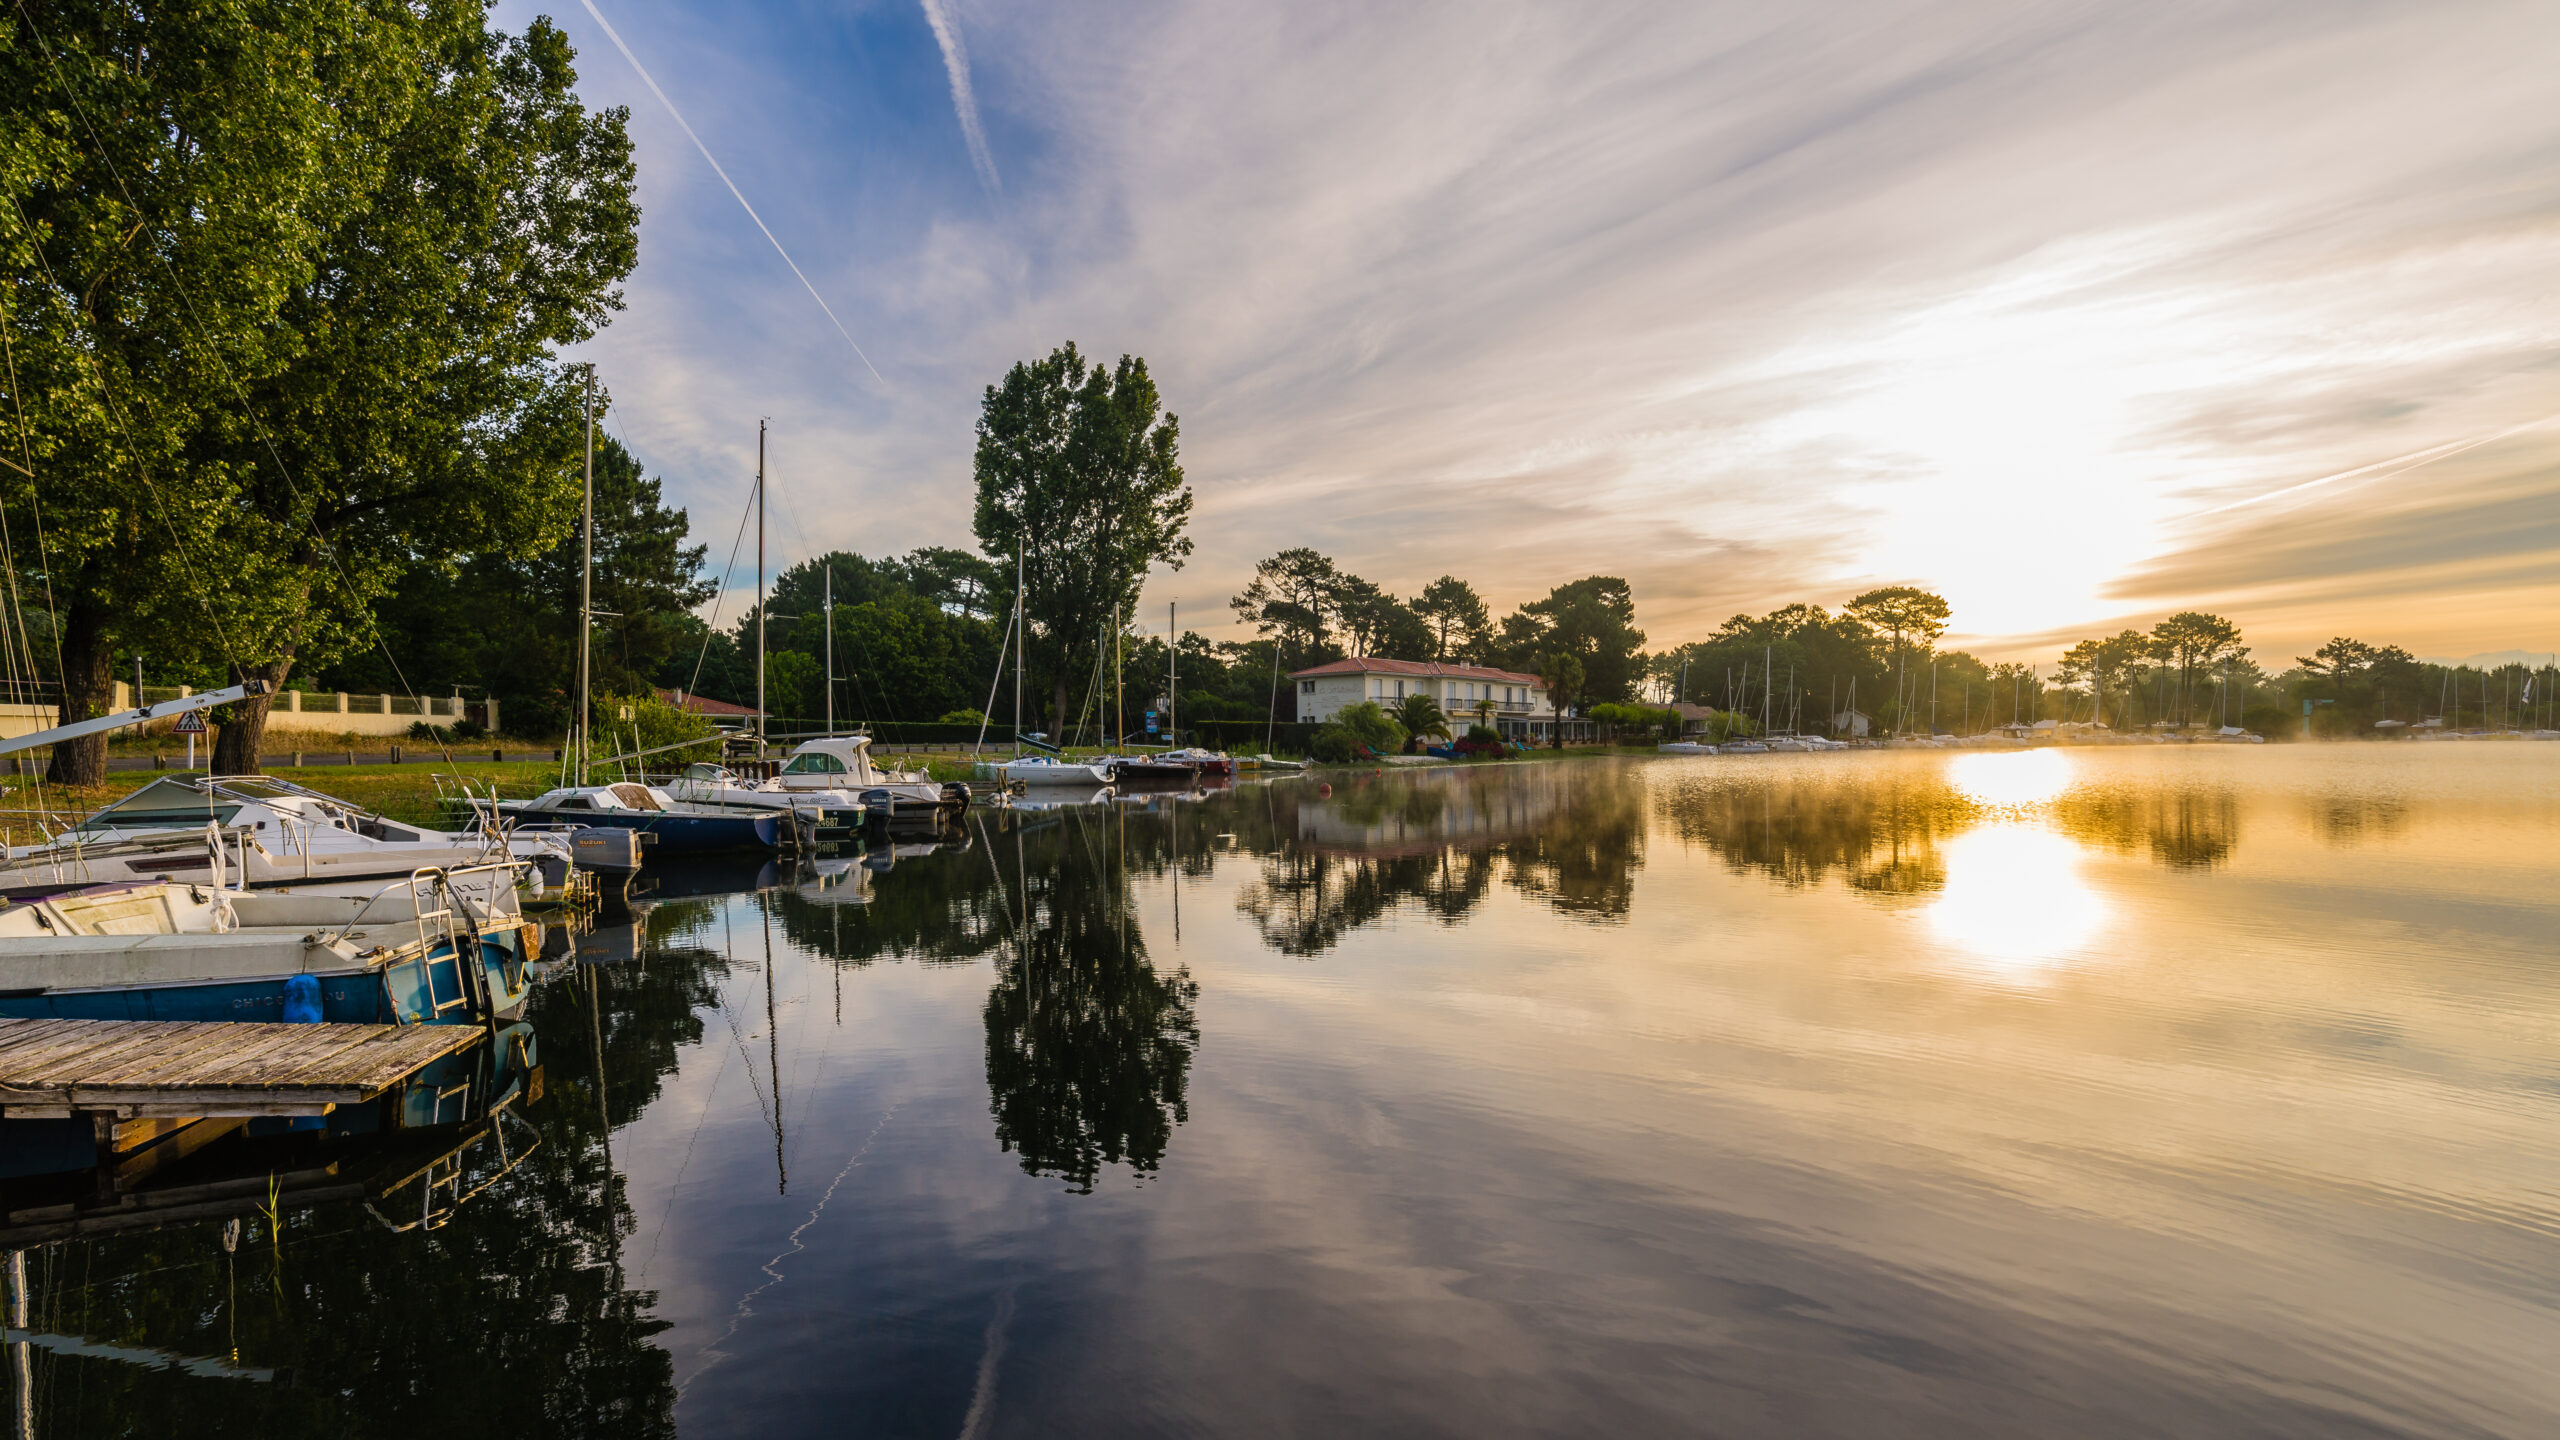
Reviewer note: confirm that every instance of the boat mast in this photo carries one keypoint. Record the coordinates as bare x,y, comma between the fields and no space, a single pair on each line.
773,1060
1172,672
1022,646
1119,705
759,589
586,585
831,650
21,1358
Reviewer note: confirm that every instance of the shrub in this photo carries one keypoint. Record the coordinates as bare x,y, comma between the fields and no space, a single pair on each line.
1370,726
1335,745
2273,721
653,723
1484,735
961,717
421,730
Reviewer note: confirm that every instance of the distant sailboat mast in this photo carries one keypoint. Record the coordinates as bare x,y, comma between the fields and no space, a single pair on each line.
760,426
586,584
1021,645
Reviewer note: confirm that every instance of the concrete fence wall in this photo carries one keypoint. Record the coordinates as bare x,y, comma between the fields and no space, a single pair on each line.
336,713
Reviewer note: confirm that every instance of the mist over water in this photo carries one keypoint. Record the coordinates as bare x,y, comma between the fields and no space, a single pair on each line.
2184,1092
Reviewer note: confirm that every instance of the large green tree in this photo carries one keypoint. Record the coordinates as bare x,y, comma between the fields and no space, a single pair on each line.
170,173
2105,666
290,279
1079,475
1913,617
1460,623
426,414
1290,599
1594,619
2195,643
507,626
913,638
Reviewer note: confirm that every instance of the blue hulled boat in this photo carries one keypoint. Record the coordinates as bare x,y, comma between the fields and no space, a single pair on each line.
428,950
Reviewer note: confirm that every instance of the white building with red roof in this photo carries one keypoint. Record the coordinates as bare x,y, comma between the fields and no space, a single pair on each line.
1520,708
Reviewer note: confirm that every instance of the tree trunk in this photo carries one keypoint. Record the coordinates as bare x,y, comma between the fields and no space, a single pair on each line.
235,750
1058,711
88,690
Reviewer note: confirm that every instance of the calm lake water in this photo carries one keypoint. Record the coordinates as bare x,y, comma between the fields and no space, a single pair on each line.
2091,1093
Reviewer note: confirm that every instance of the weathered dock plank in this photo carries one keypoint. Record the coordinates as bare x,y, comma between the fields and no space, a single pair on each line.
209,1068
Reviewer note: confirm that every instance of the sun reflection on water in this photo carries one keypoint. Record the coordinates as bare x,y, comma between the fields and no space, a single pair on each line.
2015,901
2033,777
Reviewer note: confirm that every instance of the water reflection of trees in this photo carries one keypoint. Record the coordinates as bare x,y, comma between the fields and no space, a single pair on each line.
516,1317
2348,819
1435,845
1088,1044
1882,830
1877,832
2184,827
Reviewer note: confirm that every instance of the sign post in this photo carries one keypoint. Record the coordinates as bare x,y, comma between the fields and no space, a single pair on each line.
191,725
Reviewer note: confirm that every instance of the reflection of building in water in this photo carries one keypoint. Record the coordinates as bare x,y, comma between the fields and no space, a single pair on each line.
1436,843
1387,819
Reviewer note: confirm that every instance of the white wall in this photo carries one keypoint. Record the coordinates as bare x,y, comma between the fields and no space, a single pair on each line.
1332,693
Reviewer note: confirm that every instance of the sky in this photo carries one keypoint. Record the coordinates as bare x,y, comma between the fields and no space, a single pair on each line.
2077,314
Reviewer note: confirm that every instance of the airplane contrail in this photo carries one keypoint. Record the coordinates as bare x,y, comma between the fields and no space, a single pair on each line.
964,98
647,79
2383,469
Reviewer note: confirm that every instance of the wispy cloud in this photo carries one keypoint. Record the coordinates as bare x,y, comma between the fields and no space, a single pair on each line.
964,97
740,196
2065,311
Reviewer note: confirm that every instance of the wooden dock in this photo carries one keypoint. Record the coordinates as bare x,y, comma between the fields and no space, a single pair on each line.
144,1070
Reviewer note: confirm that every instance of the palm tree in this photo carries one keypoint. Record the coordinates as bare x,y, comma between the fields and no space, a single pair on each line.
1420,715
1561,673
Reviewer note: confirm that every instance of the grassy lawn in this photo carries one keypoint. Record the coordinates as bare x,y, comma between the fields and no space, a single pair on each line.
408,792
402,792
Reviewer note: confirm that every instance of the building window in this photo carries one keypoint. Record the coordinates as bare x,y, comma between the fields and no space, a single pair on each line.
1306,687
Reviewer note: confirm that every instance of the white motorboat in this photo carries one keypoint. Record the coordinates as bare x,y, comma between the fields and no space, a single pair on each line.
843,762
1686,747
276,833
1042,771
829,814
665,824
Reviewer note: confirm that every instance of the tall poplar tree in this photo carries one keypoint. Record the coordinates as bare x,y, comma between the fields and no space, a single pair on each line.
1078,465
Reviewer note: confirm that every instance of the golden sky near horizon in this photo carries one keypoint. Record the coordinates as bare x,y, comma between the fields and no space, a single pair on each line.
2078,317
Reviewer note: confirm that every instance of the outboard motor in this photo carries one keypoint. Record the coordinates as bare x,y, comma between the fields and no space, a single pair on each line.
606,852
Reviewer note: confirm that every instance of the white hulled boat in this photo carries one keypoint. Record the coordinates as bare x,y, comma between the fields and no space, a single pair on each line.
274,833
